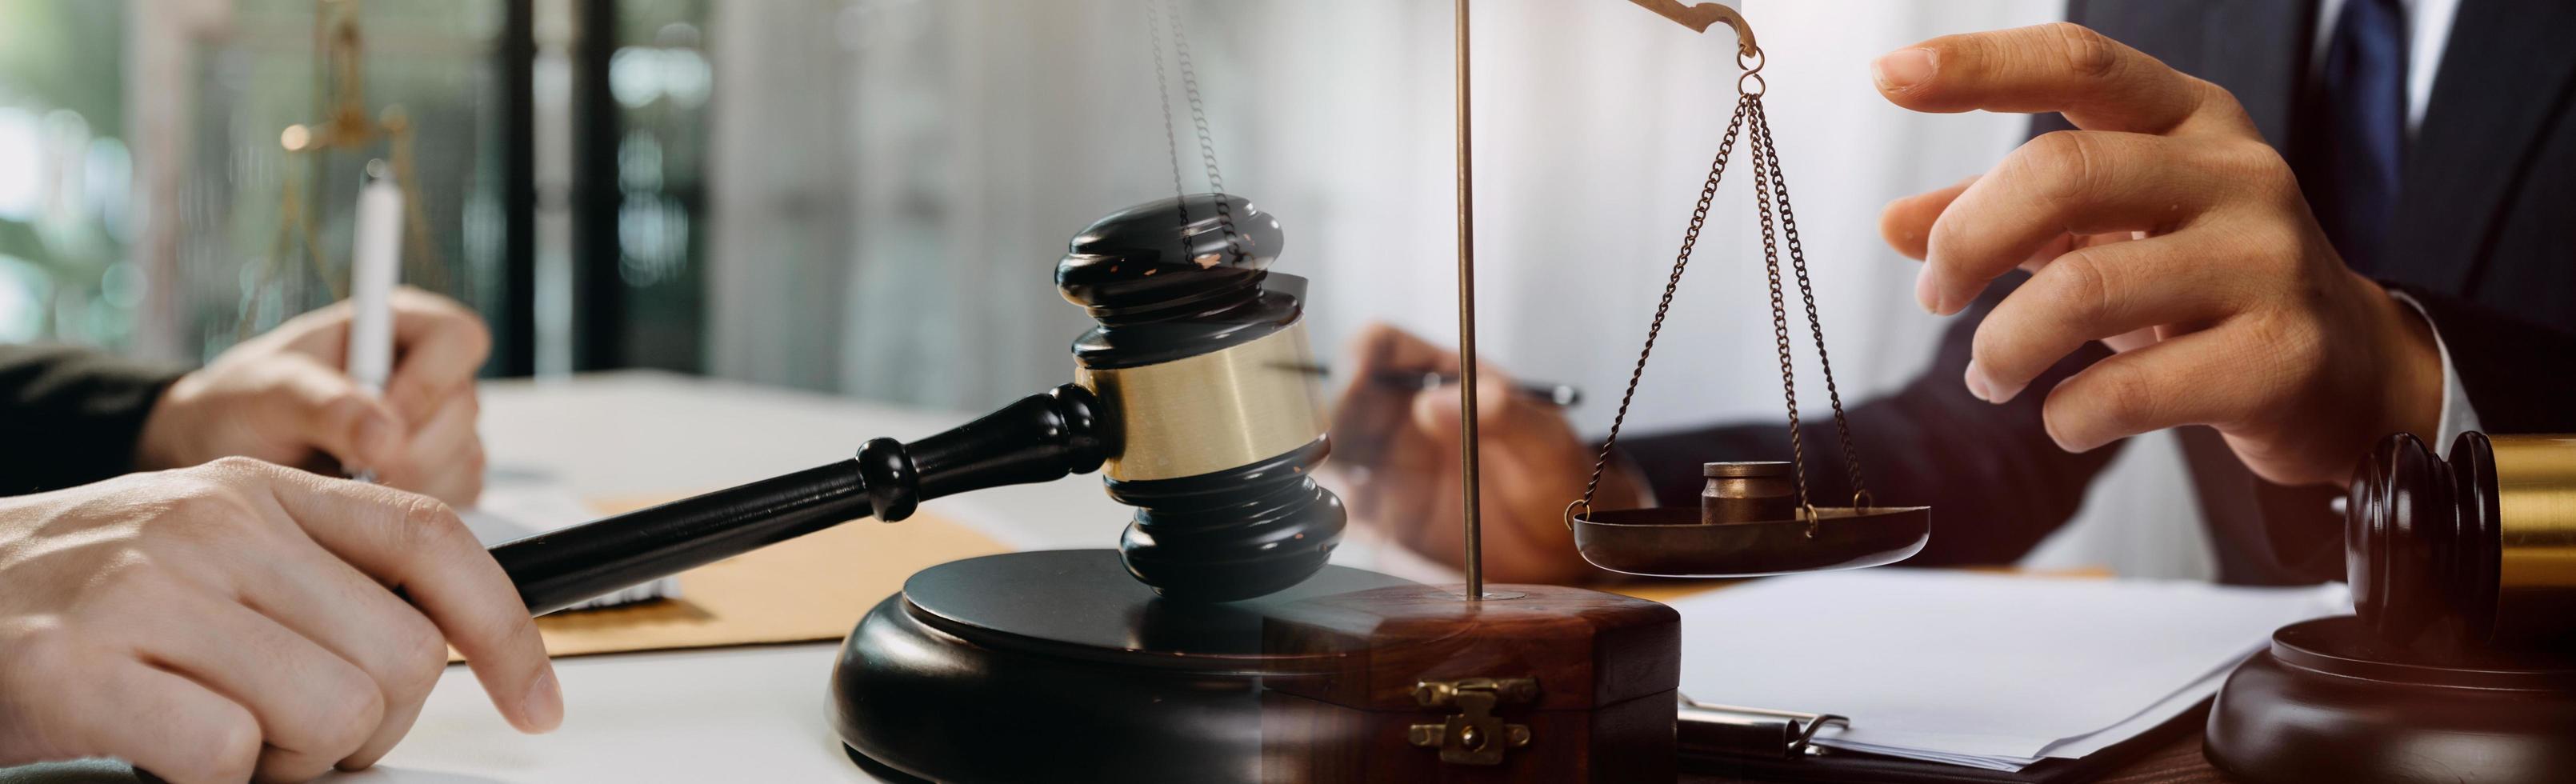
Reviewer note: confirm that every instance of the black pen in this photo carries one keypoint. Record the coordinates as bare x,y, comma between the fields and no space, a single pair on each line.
1559,395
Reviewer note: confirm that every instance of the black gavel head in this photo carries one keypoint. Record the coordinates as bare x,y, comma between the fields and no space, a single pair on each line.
1183,259
1201,361
2448,558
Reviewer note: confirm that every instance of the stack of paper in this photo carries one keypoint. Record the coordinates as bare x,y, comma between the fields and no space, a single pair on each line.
520,504
1987,671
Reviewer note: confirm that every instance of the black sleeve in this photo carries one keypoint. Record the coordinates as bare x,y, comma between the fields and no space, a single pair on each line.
1996,482
2520,377
70,416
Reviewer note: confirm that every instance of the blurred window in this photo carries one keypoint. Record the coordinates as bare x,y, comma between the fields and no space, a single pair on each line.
148,202
644,309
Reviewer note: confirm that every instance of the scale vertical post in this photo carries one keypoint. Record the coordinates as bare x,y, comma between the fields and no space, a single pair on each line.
1467,443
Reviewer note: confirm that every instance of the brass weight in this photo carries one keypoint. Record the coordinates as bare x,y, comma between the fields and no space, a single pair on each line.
1747,492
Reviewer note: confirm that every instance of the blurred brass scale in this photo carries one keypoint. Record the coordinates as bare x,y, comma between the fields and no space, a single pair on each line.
343,126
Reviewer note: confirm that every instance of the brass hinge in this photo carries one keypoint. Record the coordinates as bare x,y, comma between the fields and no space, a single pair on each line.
1474,735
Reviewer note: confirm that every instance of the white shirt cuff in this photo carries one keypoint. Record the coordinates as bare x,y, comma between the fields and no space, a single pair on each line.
2457,416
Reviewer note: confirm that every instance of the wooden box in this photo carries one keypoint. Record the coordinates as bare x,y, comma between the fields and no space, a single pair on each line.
1415,684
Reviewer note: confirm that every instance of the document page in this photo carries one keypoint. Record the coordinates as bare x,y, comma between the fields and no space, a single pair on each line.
1979,669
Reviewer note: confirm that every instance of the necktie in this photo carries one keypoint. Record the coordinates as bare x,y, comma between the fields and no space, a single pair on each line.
2357,121
2350,144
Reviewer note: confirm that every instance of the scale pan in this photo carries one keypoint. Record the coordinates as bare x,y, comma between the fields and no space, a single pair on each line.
1672,542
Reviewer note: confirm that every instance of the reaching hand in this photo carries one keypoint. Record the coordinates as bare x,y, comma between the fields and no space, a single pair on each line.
1398,450
283,398
2167,229
239,618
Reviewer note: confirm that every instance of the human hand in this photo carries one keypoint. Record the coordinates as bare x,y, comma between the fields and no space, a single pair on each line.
2169,230
283,397
1398,451
235,619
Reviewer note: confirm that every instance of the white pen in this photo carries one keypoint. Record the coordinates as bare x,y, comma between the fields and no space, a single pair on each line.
373,269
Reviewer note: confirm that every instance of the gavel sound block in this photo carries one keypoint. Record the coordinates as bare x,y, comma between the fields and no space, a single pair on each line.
1193,397
2459,662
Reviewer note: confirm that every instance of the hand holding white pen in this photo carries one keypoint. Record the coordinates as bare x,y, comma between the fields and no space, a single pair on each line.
381,384
283,397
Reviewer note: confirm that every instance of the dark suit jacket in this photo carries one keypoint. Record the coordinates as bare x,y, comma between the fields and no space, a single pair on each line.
70,416
2484,236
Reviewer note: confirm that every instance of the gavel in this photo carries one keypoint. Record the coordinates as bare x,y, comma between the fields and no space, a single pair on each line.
2448,558
2459,660
1187,396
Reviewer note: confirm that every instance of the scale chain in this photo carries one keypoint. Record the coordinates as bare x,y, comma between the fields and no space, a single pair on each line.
1155,10
1163,100
1681,262
1779,311
1807,292
1771,189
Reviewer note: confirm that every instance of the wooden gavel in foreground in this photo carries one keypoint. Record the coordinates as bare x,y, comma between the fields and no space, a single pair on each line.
1189,392
2451,557
2459,660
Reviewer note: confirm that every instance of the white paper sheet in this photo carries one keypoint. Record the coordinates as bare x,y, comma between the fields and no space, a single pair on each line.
520,503
1975,669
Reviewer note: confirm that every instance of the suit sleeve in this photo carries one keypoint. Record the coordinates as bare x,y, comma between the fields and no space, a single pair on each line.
69,416
2520,377
1995,480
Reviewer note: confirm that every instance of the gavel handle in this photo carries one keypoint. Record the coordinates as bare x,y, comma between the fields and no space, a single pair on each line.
1039,438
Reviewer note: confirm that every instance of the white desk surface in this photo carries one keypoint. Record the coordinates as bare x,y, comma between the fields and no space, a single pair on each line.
730,714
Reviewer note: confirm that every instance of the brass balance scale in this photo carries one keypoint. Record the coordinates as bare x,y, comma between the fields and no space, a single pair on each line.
343,126
1718,541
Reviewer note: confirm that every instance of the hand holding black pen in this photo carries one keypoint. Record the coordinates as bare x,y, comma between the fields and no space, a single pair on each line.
1395,436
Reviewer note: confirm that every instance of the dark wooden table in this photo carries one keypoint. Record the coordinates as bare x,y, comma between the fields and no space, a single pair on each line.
2178,762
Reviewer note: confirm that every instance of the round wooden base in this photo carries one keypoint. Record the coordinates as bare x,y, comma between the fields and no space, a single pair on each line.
2323,705
1058,666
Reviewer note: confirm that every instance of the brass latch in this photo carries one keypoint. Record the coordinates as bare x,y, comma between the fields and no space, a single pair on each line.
1473,736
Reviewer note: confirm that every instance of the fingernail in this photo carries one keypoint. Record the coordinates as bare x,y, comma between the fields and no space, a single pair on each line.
543,707
1902,70
1925,292
2004,393
1984,386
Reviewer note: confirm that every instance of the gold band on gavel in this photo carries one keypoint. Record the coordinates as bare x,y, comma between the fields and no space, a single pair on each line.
1211,412
2536,510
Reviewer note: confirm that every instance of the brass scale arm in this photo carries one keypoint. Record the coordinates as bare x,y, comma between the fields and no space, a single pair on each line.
1699,17
1696,17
